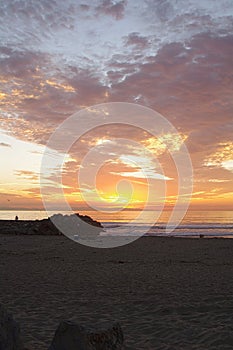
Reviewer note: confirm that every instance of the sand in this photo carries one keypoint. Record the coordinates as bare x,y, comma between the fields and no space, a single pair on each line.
167,293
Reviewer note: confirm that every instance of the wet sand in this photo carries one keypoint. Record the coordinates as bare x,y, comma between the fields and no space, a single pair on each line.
167,293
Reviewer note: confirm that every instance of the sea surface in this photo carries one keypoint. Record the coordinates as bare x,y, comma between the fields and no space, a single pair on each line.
195,223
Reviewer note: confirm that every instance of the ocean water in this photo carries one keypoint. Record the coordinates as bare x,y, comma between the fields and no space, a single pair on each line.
194,223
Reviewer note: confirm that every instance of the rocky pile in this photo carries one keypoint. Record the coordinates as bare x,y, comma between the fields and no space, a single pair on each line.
76,224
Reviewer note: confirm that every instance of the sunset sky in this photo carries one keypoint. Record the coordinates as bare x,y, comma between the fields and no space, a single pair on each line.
59,57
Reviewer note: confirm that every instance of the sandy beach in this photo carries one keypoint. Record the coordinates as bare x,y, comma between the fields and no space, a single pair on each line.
167,293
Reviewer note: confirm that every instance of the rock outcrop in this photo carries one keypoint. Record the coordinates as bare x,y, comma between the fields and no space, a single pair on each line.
9,332
71,336
76,224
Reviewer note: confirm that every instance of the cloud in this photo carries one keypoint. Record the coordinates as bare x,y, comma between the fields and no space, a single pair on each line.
28,175
228,164
145,174
136,40
3,144
186,88
20,201
218,180
175,57
164,10
35,98
223,157
84,7
18,18
112,8
181,20
140,167
183,82
171,142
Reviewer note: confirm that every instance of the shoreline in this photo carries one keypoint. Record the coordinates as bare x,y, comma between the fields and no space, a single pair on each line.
46,227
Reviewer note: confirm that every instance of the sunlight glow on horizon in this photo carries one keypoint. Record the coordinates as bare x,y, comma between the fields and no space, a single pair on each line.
20,176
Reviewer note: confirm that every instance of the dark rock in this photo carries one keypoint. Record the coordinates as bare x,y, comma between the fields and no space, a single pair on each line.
9,332
71,336
46,227
75,225
89,220
82,225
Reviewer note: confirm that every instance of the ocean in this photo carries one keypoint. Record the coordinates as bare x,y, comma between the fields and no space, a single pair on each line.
194,223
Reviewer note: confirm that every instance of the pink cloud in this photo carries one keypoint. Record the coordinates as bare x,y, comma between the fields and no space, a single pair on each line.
108,7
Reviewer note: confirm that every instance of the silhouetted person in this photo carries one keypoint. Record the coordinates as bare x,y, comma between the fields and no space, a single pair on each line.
16,218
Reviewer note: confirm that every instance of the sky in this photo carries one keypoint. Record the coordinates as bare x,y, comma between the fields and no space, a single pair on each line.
59,57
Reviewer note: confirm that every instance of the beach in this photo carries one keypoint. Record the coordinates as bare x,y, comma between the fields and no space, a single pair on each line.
167,293
116,179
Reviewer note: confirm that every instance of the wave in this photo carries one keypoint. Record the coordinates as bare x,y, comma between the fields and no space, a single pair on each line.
163,226
109,225
185,230
197,226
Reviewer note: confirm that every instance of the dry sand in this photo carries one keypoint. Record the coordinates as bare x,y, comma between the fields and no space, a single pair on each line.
167,293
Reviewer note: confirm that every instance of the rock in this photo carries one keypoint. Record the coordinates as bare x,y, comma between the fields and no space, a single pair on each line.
71,336
82,225
75,225
46,227
89,220
9,332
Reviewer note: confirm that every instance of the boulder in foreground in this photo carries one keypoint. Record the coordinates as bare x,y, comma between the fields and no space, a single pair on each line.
9,332
71,336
